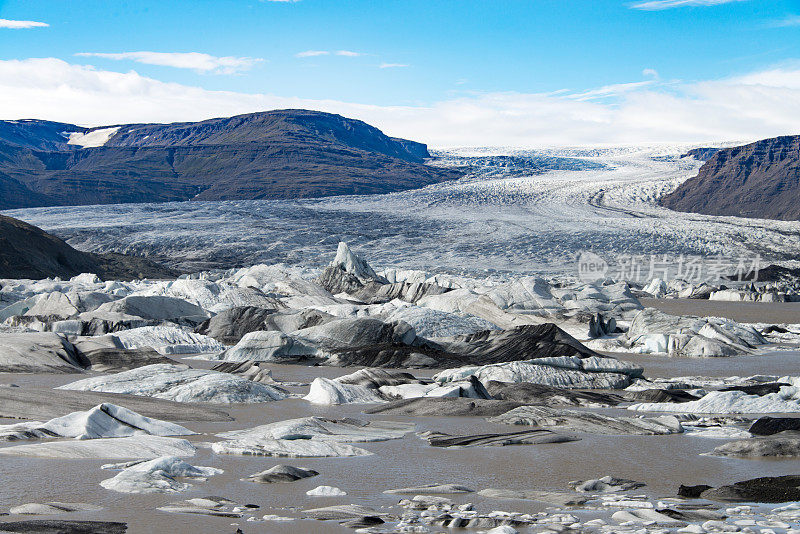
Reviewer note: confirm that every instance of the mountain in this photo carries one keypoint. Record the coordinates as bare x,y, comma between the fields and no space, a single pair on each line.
28,252
273,154
760,180
702,153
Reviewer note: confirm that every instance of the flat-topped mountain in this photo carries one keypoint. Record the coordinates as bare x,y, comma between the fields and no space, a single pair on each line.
28,252
760,180
273,154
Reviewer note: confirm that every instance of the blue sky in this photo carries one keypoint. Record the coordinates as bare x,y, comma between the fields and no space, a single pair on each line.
470,63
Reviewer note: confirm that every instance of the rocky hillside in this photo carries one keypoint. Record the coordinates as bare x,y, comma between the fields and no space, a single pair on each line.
702,153
760,180
274,154
28,252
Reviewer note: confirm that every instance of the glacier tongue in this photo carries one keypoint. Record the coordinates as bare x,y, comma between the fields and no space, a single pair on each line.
534,223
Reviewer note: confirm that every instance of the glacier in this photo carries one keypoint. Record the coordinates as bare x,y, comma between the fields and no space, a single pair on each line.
490,222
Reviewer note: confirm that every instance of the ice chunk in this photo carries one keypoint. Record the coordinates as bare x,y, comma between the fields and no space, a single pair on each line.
326,391
155,476
178,383
103,421
787,400
326,491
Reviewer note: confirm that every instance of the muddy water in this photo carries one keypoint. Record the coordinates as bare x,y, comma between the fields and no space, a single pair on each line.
743,312
662,462
780,363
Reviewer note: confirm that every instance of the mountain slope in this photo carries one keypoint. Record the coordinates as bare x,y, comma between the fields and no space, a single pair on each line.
760,180
28,252
275,154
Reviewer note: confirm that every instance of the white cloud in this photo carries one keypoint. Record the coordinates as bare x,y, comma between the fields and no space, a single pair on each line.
658,5
348,53
757,105
785,77
196,61
392,65
22,24
312,53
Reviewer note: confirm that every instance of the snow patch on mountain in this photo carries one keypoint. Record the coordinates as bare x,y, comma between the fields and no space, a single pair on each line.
93,138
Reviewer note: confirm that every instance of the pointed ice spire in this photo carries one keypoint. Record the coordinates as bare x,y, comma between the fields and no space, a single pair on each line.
352,263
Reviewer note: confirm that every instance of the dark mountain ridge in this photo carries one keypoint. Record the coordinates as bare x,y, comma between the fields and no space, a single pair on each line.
28,252
760,180
273,154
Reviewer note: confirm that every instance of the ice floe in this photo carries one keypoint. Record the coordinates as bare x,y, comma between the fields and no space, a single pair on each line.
155,308
326,491
141,446
179,383
590,422
281,473
168,340
39,352
786,400
653,331
52,508
268,346
103,421
155,476
563,371
342,390
309,437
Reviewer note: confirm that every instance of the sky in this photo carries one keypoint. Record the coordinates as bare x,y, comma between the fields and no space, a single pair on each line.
445,72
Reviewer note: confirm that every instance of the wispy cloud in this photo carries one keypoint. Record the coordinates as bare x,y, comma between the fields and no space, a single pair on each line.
764,103
313,53
317,53
21,24
658,5
611,91
392,65
791,20
196,61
